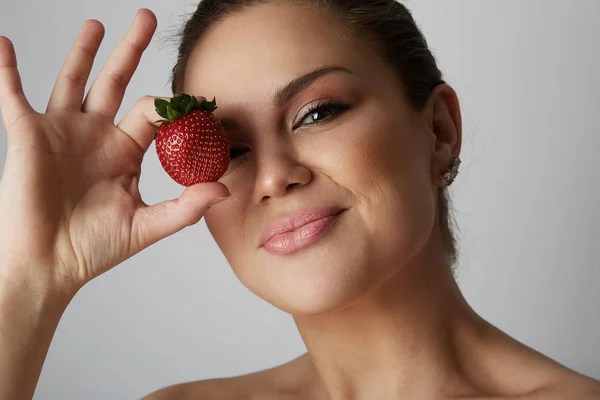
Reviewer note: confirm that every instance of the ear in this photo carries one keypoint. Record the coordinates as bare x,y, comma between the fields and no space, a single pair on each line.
445,122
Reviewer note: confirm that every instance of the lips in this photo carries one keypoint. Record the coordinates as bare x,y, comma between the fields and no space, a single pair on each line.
296,220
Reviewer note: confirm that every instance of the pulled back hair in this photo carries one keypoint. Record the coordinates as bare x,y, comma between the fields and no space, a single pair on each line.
386,24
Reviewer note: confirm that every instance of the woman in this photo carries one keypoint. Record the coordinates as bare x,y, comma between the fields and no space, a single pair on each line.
341,128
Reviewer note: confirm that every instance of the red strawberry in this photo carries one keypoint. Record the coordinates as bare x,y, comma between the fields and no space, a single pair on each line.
190,143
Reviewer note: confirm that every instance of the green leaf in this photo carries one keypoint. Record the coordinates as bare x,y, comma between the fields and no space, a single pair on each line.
185,102
161,107
173,114
181,105
209,106
191,105
176,103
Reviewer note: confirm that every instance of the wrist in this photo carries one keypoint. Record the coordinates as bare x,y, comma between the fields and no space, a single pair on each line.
31,292
30,311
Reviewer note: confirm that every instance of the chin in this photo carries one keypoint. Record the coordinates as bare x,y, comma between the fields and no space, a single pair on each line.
312,288
332,273
317,280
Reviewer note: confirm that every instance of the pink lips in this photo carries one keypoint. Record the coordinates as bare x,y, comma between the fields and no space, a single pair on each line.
299,229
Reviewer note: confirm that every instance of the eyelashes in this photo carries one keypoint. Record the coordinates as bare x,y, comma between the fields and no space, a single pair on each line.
317,114
329,108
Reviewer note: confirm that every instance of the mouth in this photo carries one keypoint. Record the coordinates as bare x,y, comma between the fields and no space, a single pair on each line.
290,233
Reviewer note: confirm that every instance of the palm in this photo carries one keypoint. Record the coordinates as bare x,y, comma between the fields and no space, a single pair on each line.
79,176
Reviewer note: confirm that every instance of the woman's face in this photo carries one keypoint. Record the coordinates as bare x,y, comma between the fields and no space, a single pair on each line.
340,143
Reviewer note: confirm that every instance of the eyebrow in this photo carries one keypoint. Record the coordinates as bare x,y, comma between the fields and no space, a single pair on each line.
286,93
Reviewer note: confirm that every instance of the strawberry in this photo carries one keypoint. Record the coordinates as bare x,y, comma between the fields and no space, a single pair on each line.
190,142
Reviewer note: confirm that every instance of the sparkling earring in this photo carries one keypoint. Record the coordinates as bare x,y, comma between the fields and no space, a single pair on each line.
449,174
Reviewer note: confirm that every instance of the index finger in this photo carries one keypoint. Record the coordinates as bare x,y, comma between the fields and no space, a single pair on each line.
13,103
139,122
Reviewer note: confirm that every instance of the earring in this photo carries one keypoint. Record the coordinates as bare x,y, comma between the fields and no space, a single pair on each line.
449,174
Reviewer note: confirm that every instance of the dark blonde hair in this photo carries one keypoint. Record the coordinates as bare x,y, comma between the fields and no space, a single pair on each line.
387,24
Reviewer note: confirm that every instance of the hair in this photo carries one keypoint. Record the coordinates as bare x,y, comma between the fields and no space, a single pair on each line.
387,24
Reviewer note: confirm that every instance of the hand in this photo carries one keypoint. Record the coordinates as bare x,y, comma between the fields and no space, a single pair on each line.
70,208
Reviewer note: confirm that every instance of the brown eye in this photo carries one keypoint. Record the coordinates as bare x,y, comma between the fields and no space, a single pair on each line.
323,112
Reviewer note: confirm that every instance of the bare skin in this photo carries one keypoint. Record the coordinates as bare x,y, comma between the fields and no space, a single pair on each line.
391,323
496,366
299,380
386,327
71,210
69,200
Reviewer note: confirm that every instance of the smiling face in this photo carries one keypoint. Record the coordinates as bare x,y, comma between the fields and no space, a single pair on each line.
341,136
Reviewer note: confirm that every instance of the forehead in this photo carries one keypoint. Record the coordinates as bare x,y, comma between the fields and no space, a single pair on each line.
258,49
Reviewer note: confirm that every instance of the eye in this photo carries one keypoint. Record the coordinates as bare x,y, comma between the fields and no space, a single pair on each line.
322,112
235,152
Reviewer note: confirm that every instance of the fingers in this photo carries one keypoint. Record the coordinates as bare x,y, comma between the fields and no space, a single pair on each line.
139,122
153,223
13,103
107,91
69,88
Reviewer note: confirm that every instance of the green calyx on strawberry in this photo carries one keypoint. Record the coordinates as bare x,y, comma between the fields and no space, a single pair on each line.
180,106
190,142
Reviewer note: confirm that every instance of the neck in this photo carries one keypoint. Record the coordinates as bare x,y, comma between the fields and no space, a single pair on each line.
412,332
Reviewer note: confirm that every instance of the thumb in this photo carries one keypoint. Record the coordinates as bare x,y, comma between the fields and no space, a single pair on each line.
153,223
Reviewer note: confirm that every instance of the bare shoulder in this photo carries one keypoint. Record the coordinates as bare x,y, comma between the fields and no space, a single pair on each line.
573,386
244,387
567,387
288,381
539,377
213,389
579,387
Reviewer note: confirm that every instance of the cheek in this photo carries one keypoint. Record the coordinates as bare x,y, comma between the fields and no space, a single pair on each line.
384,164
373,155
407,208
225,222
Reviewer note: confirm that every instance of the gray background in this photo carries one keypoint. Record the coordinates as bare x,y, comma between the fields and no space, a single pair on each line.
527,201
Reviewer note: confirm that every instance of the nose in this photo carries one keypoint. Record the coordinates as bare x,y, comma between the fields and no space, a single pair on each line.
278,172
